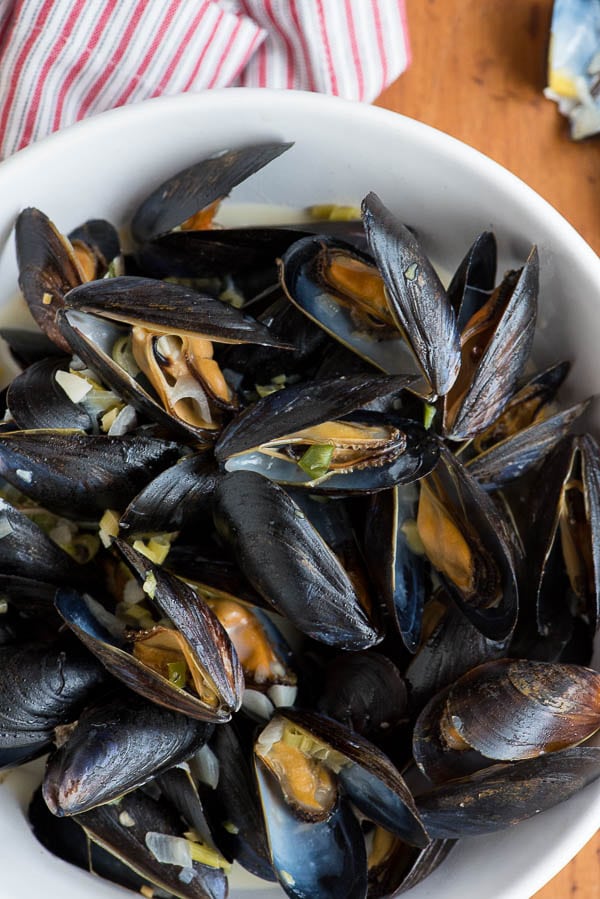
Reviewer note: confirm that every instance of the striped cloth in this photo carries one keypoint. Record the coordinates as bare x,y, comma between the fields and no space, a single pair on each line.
62,60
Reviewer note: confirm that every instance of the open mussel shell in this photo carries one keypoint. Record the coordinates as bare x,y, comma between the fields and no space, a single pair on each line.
117,745
68,841
48,269
96,244
495,346
130,827
288,563
335,847
27,347
199,186
417,299
395,867
465,539
232,804
474,279
41,687
296,742
310,279
563,530
395,560
93,339
115,652
169,309
36,399
74,474
513,457
504,795
363,451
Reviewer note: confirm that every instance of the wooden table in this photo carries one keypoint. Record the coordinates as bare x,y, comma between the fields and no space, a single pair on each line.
478,71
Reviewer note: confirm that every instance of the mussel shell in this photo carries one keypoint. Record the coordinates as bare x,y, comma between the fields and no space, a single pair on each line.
93,339
405,867
335,847
512,709
117,745
474,279
401,575
171,501
75,474
513,457
193,618
36,399
26,552
503,358
233,806
303,406
369,779
40,688
128,842
489,597
288,563
103,240
417,298
365,692
168,308
198,186
504,795
303,285
27,347
47,268
112,651
67,840
437,663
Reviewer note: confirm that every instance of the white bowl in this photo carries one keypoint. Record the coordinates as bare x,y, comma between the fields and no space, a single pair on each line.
450,193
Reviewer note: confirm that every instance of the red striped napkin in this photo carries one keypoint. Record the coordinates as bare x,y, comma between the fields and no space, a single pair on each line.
62,60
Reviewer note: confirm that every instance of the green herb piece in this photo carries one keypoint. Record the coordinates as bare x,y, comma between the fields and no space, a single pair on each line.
317,459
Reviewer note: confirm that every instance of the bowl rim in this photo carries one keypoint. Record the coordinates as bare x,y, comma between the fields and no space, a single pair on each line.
517,191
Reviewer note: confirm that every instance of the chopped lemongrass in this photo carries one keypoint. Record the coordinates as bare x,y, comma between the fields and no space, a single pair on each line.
206,855
177,673
266,389
156,549
231,828
83,547
3,606
109,527
317,459
428,415
279,379
205,767
149,585
74,385
107,420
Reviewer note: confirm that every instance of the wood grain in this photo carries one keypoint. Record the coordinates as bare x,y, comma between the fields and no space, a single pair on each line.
478,72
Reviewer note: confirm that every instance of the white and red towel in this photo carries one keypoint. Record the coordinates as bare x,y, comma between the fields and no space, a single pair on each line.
62,60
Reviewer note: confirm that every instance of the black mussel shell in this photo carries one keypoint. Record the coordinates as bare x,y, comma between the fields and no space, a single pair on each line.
198,186
474,279
288,563
116,746
36,399
143,815
495,347
169,308
101,239
74,474
335,847
395,867
504,795
467,540
47,270
417,298
172,500
41,687
373,339
27,347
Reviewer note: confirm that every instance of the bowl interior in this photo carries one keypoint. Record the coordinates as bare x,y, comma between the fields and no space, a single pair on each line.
103,167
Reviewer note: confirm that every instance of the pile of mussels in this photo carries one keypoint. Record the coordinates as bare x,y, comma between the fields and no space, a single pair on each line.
299,560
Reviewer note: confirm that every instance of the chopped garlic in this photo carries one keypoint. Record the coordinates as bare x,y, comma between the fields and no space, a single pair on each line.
75,386
149,585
